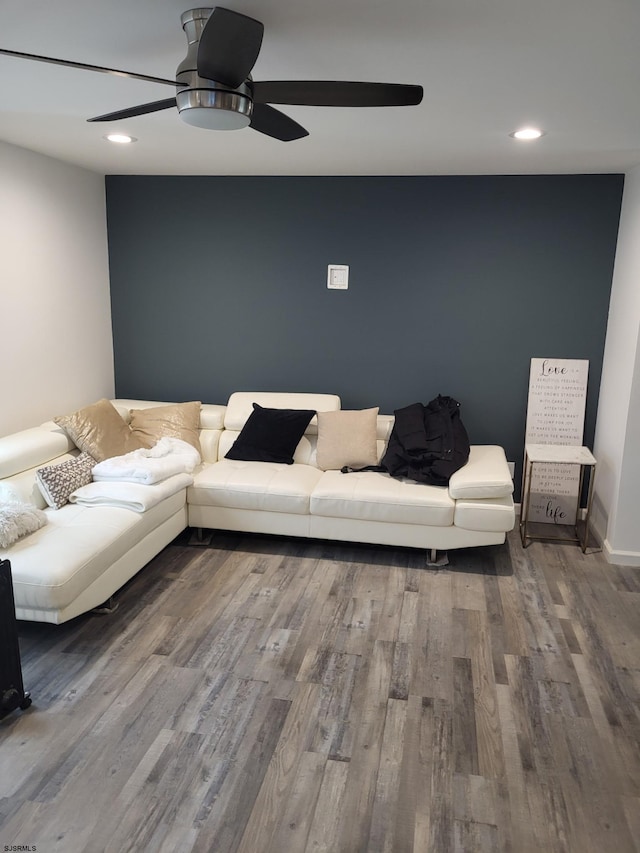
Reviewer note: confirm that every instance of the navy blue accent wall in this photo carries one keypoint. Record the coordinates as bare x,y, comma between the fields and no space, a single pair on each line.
218,284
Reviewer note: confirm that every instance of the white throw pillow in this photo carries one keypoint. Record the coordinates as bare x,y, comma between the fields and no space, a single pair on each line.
347,437
17,520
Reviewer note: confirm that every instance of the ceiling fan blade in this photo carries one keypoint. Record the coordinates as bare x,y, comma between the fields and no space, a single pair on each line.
143,109
276,124
85,67
334,93
229,46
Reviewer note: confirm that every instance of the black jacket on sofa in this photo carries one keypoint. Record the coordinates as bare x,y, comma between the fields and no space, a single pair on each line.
428,443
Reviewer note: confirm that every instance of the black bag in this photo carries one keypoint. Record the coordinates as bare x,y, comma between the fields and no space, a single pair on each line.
12,693
427,443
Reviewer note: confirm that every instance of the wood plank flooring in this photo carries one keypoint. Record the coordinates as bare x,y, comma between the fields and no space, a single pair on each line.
270,695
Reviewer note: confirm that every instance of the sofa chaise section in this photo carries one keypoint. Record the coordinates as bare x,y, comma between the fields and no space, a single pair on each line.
83,554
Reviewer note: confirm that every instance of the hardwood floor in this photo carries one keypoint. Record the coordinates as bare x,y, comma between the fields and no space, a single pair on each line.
263,694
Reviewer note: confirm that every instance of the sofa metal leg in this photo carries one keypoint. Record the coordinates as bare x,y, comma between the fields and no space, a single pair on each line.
110,606
438,561
200,536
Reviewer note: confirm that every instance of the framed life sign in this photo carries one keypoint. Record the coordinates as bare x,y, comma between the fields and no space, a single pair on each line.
555,415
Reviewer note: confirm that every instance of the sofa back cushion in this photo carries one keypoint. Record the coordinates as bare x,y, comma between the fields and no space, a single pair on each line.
23,486
240,406
31,448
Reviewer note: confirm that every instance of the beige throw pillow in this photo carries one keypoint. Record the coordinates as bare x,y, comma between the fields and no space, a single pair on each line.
181,420
347,438
99,431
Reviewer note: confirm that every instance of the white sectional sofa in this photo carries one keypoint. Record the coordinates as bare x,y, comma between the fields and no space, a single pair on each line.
85,554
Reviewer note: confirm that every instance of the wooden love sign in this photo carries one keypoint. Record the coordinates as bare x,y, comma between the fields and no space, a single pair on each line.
555,415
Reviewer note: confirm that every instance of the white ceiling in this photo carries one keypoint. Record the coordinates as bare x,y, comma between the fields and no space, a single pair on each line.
571,67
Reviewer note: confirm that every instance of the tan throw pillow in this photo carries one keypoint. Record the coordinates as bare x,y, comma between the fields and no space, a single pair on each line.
347,438
181,420
99,431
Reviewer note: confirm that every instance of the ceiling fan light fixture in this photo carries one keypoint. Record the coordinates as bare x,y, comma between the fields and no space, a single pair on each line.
214,109
120,138
527,133
215,89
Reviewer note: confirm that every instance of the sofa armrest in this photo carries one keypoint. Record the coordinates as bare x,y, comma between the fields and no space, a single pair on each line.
486,475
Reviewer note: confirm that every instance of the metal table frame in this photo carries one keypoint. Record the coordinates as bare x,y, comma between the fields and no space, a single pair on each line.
561,455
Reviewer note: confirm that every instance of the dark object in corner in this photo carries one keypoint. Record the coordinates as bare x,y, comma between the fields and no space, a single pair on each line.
12,693
427,443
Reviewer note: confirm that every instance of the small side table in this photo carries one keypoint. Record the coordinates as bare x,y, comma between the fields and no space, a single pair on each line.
559,454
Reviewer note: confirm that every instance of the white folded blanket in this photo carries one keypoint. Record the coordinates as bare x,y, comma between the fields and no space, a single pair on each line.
168,457
133,496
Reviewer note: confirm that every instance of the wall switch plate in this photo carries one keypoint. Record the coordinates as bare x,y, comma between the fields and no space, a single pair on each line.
338,277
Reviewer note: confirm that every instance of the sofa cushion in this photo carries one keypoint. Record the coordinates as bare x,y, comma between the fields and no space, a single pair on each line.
255,485
373,496
13,490
212,416
493,514
56,482
178,420
347,438
270,435
99,431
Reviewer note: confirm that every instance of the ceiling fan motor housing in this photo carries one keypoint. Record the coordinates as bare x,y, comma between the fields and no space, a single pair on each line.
206,103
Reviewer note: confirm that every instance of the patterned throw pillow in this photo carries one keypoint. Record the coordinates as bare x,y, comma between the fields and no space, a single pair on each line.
56,482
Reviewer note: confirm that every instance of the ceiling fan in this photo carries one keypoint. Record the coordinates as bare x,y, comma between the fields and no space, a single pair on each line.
215,89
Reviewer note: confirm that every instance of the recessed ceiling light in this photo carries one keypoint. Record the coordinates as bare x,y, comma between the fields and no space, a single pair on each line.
527,133
121,138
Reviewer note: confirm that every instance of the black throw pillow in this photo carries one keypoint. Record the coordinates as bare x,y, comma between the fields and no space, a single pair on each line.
270,435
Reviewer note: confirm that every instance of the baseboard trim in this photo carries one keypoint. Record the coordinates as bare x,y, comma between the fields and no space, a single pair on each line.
620,558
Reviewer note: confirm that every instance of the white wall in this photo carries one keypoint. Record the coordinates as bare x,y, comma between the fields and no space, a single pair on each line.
56,345
617,439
